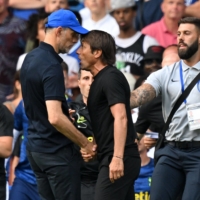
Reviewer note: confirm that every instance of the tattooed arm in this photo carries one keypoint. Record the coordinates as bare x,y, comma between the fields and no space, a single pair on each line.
142,95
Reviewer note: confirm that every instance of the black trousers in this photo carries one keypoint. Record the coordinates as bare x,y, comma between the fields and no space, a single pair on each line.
121,189
177,172
87,190
2,186
57,174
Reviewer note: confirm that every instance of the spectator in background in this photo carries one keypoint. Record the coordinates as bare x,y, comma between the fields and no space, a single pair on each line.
12,44
143,182
17,94
35,26
85,12
192,9
53,5
148,11
23,182
131,44
89,170
35,31
6,129
24,4
165,30
25,8
65,69
75,5
170,55
99,18
152,59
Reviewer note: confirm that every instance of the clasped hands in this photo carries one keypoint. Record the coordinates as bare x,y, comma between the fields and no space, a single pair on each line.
89,151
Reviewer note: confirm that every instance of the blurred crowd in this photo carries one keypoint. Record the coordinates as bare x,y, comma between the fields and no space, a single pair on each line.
145,33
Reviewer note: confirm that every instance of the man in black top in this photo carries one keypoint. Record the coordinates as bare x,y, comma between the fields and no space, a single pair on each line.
109,109
89,170
50,150
6,134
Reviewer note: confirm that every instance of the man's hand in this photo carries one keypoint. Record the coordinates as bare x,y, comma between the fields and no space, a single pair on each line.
116,169
149,142
71,112
89,151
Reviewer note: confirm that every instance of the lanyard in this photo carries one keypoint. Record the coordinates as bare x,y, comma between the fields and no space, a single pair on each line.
182,82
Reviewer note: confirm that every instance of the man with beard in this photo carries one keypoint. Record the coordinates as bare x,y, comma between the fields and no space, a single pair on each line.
50,149
178,163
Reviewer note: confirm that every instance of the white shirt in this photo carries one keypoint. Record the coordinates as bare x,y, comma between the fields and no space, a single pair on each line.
107,24
85,13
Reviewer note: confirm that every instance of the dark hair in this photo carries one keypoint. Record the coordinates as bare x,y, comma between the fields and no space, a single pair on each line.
32,26
100,40
65,67
79,73
78,16
190,20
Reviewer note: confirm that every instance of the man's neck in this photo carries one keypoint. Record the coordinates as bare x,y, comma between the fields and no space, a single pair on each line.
144,158
193,60
3,16
171,24
127,34
97,17
51,41
85,100
97,68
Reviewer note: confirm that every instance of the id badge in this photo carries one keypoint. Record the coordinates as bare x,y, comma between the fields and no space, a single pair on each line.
193,114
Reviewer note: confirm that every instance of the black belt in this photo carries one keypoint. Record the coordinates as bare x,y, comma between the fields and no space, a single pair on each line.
184,145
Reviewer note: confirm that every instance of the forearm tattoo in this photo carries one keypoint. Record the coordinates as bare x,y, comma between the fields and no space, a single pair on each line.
142,95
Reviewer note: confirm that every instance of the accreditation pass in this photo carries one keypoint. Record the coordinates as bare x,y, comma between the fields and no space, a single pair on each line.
193,113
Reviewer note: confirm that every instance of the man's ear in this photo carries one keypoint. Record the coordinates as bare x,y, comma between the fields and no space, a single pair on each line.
58,31
97,53
163,7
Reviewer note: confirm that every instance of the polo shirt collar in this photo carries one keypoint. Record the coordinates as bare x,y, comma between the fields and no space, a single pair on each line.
186,67
163,26
48,47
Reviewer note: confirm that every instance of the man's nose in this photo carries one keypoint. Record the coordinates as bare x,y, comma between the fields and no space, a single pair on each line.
78,50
